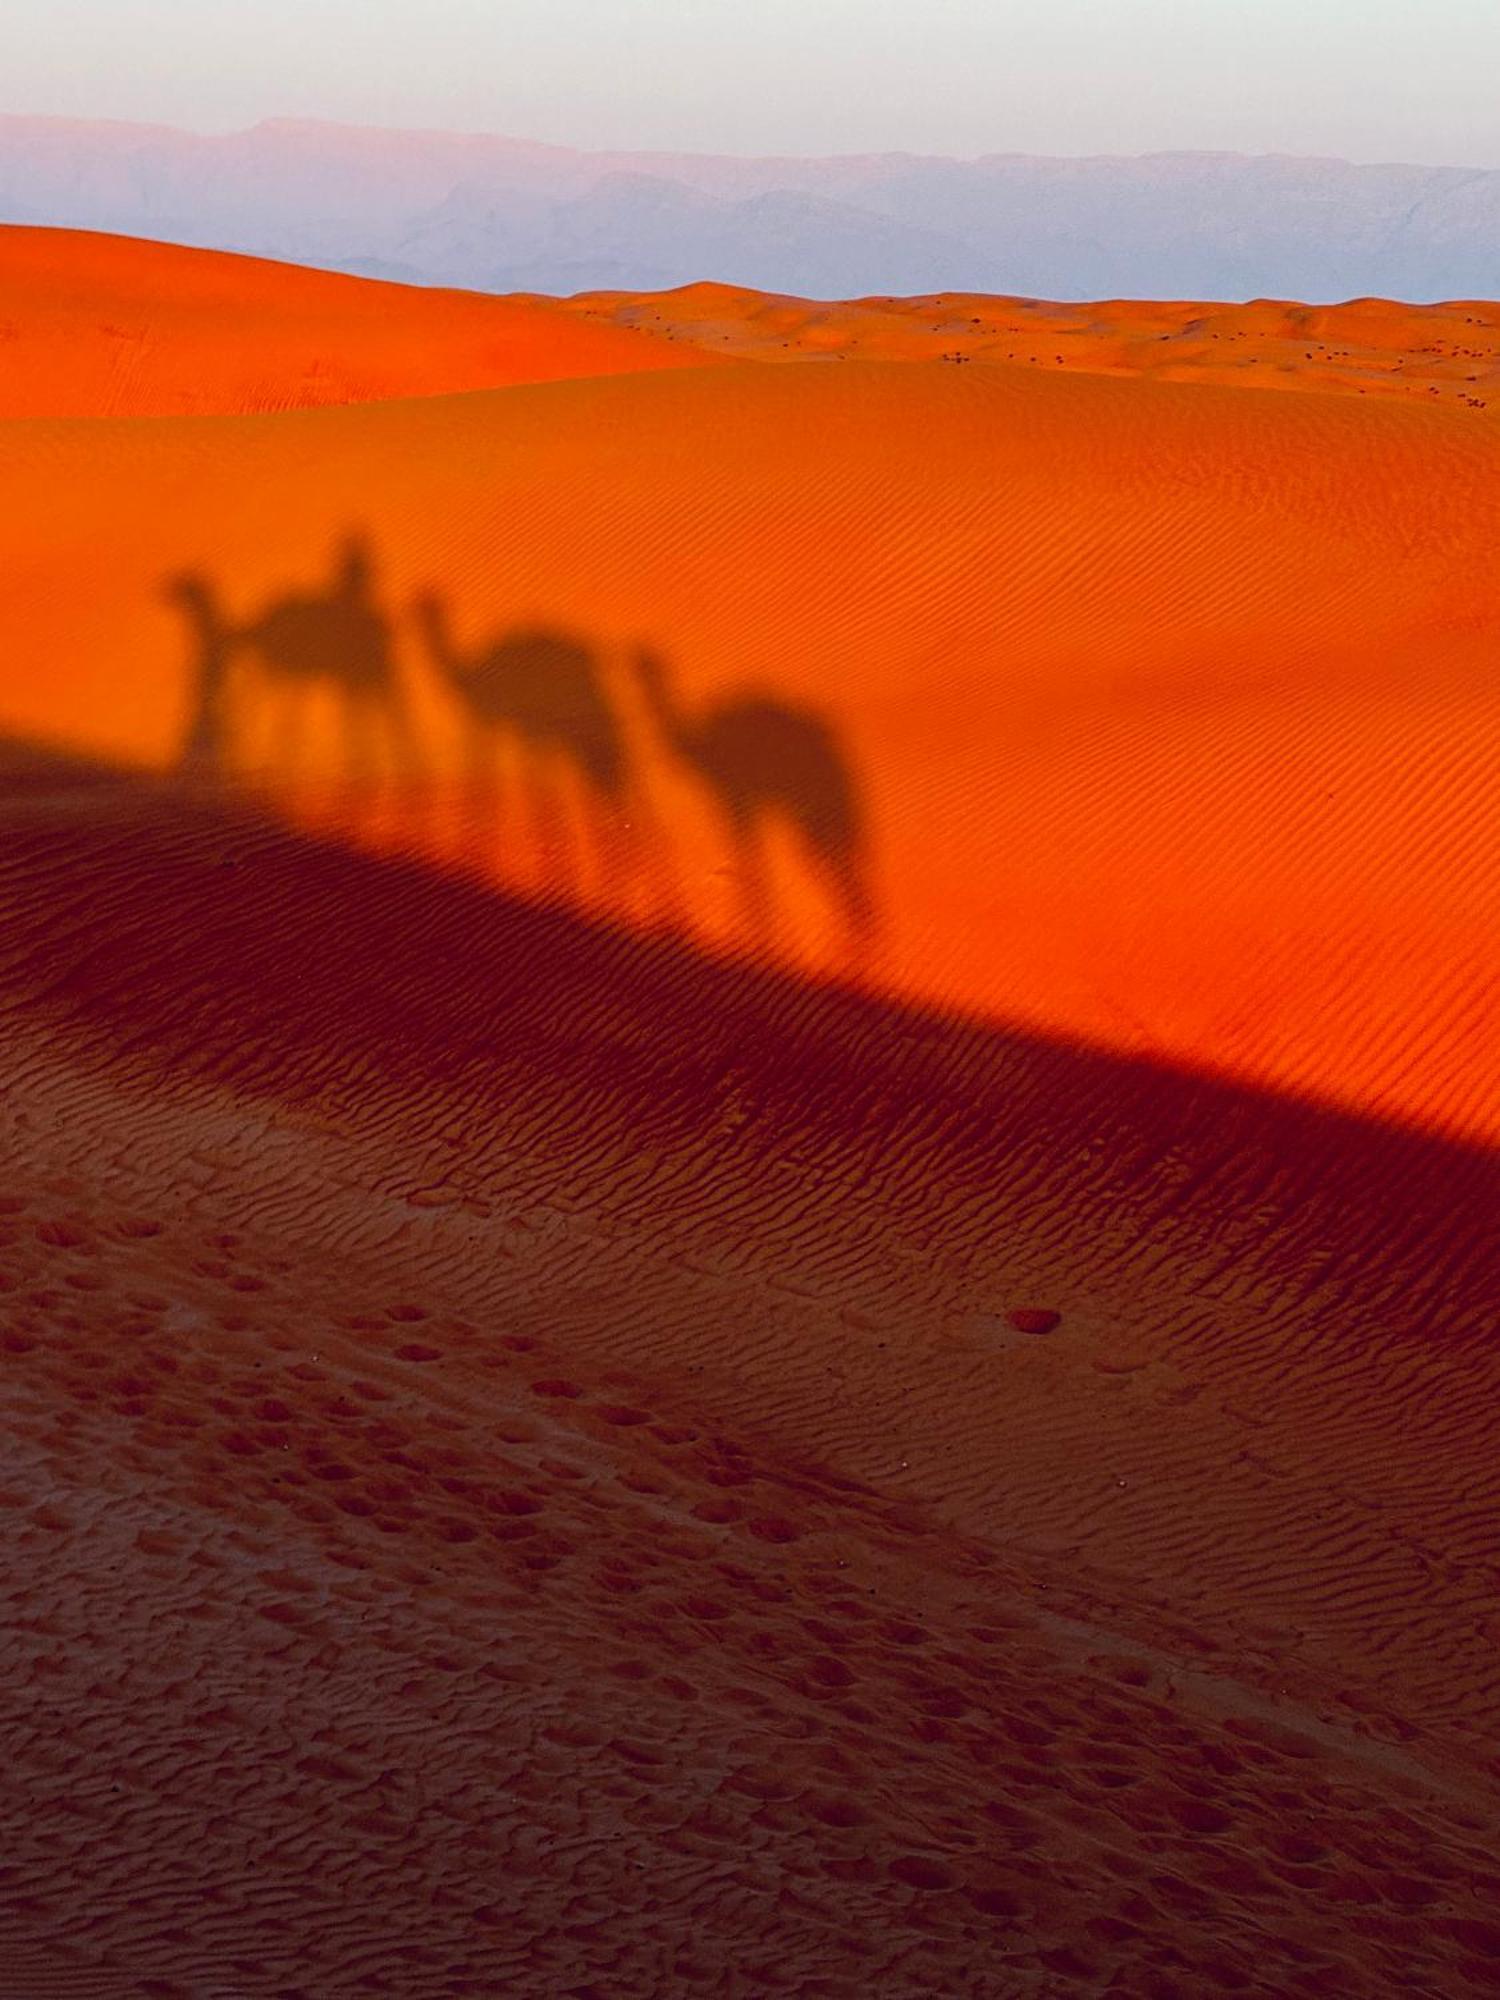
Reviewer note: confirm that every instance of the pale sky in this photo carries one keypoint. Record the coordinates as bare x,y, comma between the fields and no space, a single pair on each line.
1410,80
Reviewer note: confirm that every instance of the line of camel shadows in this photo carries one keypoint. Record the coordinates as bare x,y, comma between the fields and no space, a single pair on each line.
539,699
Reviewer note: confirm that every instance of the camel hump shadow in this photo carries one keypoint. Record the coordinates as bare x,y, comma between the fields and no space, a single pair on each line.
339,635
338,638
540,685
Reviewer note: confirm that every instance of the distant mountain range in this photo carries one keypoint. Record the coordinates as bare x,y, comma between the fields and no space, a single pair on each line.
507,215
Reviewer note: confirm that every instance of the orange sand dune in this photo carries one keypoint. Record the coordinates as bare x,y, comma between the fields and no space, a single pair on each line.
1447,353
1169,710
96,325
747,1189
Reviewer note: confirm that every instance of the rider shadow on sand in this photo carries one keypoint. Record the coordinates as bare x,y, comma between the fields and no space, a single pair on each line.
270,668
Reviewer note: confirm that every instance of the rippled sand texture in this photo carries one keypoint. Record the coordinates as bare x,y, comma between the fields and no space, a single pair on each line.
619,1382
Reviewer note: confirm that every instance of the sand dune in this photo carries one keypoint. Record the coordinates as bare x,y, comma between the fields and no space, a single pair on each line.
1447,353
746,1187
94,325
1191,690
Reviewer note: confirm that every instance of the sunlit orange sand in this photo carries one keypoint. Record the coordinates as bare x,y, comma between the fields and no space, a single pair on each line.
1448,353
94,326
747,1177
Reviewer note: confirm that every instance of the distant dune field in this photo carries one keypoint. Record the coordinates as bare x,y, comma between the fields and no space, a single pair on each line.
1448,353
747,1154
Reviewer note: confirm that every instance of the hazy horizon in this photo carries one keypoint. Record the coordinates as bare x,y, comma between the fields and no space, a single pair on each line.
1383,84
492,213
273,120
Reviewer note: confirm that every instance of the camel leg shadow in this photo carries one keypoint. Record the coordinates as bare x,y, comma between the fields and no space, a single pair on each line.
553,846
752,867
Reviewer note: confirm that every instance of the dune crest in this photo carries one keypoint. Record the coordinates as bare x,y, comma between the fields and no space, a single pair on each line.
102,326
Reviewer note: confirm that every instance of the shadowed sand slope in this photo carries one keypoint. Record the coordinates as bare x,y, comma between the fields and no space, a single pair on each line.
666,1477
95,326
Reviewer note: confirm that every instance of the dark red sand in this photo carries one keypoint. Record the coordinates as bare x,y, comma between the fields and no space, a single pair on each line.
532,1543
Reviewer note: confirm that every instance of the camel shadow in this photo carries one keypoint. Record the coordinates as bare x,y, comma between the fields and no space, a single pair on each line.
537,718
560,754
544,694
270,667
766,764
